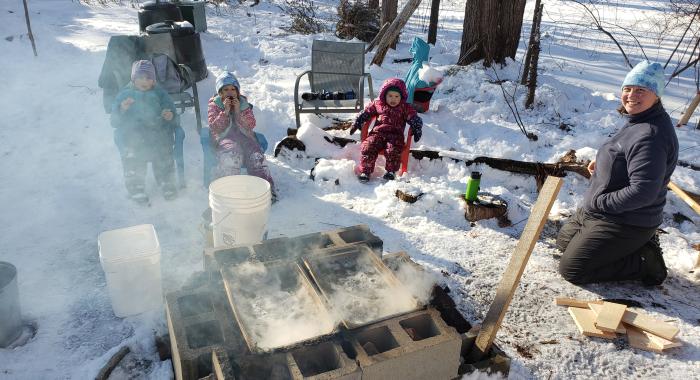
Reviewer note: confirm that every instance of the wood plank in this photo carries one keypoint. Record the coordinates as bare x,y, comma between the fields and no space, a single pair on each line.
684,196
656,341
514,270
610,316
563,301
646,323
584,321
597,307
649,324
638,339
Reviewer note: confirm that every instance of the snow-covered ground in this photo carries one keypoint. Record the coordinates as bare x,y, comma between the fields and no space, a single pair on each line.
61,182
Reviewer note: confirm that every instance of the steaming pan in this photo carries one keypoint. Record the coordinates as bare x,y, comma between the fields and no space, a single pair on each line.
330,271
239,293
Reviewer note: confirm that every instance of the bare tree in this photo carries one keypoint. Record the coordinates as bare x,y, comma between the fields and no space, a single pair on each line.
491,31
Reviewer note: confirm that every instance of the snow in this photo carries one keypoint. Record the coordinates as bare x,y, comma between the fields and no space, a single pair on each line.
61,182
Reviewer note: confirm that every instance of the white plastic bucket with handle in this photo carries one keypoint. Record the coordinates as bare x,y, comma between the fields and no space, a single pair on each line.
240,209
130,258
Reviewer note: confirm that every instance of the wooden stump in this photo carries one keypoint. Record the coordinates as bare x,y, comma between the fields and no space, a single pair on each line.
486,207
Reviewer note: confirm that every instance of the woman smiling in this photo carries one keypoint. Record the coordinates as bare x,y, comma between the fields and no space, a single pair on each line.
612,235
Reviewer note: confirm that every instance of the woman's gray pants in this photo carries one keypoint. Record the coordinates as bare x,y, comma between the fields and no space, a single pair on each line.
596,250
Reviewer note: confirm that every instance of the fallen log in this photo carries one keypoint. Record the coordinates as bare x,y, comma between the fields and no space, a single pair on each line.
538,169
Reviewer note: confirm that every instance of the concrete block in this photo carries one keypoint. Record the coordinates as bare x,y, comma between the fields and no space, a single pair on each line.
268,367
287,249
323,361
359,234
215,258
199,320
222,368
418,345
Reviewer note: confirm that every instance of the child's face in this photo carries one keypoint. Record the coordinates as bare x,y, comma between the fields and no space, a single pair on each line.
144,84
228,90
393,98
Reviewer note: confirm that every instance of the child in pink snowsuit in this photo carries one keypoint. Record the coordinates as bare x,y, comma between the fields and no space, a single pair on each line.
231,122
392,113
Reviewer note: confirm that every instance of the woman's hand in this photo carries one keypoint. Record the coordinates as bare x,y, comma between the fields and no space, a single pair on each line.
591,167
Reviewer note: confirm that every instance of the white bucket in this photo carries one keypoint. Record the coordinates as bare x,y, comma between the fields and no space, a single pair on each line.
130,258
240,209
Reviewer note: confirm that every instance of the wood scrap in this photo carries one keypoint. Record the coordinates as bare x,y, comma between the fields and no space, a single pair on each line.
584,319
609,316
649,324
684,196
638,339
563,301
597,308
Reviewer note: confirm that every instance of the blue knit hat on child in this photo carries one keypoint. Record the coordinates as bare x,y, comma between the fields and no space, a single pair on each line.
143,69
226,78
647,74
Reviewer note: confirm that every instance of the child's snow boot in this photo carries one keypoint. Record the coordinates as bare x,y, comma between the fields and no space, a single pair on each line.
389,176
363,177
139,197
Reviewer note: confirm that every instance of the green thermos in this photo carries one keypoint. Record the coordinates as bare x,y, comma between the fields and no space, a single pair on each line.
472,186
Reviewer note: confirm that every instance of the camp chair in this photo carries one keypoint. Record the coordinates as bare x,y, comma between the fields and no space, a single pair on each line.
175,78
406,147
335,66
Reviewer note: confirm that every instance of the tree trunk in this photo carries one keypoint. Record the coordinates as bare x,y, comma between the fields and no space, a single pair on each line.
29,27
389,9
535,57
373,4
393,31
432,27
528,55
491,31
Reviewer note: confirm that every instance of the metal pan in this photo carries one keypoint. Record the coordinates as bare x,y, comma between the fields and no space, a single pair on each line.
358,287
275,305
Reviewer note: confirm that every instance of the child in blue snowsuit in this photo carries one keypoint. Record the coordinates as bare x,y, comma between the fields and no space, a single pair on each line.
144,122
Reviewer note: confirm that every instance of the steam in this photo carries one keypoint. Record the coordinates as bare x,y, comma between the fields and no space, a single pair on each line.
359,292
417,281
275,308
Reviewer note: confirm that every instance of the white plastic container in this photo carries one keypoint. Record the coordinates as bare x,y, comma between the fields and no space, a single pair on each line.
130,258
240,208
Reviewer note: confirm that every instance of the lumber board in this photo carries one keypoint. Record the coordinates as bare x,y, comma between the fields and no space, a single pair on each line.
649,324
688,112
638,339
514,270
597,307
684,196
563,301
584,321
657,341
609,316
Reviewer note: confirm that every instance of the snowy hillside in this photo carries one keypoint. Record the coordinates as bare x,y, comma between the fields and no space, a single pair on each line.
61,181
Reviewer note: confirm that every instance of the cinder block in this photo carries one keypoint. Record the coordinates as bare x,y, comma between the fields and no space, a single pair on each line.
322,361
199,321
215,258
222,368
418,345
359,234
